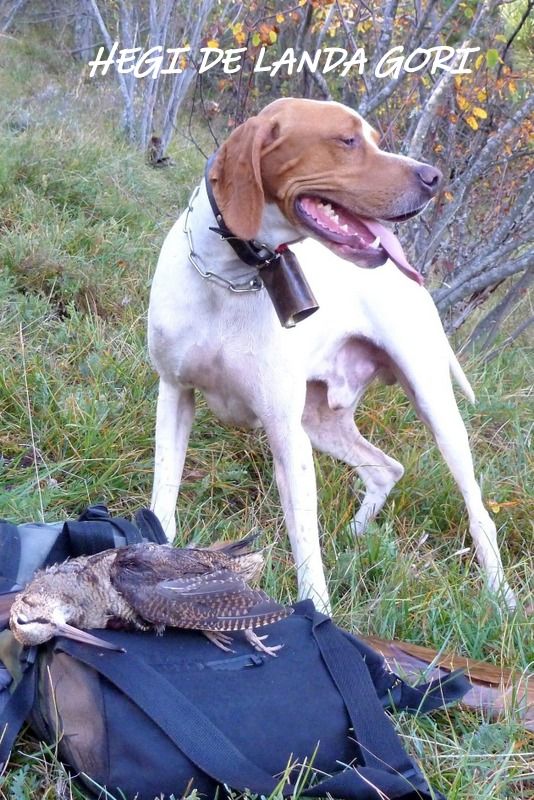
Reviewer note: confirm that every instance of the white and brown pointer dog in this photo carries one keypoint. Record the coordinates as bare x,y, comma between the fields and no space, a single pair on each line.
304,168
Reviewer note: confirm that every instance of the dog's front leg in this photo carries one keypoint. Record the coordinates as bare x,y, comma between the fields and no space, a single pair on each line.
295,477
175,412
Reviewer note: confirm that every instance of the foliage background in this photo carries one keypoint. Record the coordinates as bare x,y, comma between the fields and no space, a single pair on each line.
475,241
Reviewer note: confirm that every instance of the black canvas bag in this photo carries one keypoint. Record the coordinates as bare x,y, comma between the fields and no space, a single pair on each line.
33,545
173,713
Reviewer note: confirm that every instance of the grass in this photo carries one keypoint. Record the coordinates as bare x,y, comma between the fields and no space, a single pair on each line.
81,222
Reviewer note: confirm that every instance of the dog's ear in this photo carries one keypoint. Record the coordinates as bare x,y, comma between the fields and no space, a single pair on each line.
236,175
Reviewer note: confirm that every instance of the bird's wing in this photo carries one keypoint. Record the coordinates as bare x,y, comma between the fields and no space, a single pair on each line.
217,601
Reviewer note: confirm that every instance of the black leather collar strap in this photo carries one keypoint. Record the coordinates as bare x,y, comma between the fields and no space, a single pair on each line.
280,271
250,252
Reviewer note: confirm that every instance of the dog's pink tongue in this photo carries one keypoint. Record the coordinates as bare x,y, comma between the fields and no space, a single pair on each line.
393,248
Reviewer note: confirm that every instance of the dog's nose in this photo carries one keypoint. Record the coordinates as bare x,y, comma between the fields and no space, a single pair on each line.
430,177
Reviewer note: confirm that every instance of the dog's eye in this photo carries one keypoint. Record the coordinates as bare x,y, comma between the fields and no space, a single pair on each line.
350,141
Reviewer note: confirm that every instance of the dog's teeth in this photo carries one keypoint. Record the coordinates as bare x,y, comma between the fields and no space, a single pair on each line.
376,242
345,228
335,218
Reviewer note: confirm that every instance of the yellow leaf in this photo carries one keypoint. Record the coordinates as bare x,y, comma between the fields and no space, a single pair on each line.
273,36
512,87
471,121
500,38
212,43
494,506
280,18
457,81
447,196
463,103
482,95
480,113
240,37
479,61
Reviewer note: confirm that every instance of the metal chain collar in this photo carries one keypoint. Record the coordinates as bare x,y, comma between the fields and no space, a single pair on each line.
253,284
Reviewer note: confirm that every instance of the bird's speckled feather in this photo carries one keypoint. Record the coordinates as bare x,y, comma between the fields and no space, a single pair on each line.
148,586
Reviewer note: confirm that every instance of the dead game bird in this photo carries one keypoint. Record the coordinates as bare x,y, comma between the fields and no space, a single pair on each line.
149,586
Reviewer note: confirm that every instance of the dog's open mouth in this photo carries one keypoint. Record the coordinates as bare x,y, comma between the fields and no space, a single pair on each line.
363,240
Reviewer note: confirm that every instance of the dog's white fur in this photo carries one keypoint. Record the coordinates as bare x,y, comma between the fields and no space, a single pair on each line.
302,385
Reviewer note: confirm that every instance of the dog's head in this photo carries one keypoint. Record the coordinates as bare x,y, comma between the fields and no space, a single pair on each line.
321,164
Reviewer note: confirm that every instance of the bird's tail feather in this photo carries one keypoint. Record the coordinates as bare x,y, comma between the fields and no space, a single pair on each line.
265,612
239,548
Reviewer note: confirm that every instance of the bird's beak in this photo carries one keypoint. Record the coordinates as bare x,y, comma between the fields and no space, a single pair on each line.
86,638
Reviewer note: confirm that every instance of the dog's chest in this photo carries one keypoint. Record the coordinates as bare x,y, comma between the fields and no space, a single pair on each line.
224,373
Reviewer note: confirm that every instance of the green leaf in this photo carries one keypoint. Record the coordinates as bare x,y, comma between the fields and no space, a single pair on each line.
18,785
492,57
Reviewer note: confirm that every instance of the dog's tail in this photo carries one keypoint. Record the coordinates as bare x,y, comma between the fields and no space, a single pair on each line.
459,376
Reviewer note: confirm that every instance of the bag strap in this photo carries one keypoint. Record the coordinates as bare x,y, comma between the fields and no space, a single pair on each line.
185,724
9,555
93,531
96,530
386,765
448,687
150,526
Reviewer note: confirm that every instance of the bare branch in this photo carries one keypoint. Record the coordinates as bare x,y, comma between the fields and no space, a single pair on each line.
463,183
128,103
485,332
7,22
432,104
486,278
517,30
370,104
509,339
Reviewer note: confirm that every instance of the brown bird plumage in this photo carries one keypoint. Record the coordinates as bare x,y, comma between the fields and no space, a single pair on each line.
149,586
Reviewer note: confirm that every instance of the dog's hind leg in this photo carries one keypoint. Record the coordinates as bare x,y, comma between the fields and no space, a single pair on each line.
333,431
175,412
435,403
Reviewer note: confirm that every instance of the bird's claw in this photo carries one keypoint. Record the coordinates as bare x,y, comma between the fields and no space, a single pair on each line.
257,643
220,640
